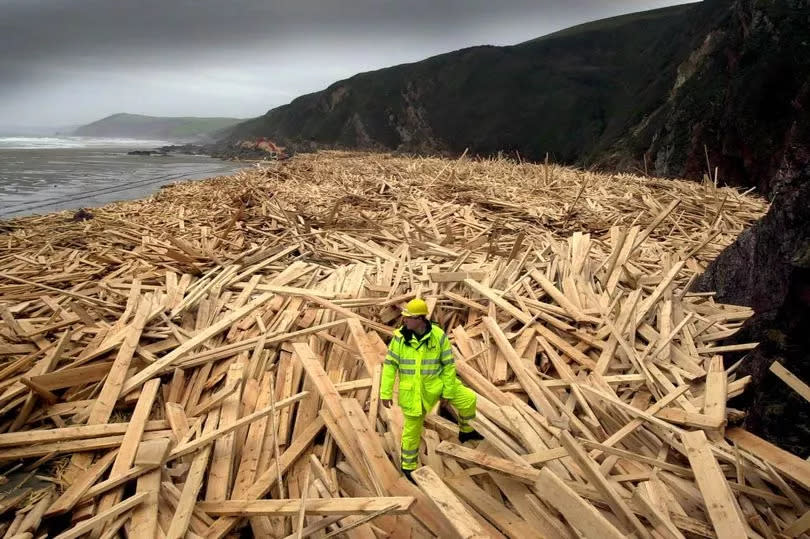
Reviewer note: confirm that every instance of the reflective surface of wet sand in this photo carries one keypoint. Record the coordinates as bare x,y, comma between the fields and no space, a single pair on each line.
36,181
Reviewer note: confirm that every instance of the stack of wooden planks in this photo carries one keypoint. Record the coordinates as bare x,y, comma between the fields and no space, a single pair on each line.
207,362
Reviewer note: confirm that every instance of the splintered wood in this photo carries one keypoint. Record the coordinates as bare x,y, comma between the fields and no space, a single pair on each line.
206,362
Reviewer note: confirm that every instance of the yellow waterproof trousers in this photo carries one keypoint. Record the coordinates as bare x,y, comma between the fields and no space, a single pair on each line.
463,400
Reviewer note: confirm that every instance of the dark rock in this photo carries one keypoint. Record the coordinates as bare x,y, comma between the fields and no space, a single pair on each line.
82,215
184,149
768,269
737,98
145,152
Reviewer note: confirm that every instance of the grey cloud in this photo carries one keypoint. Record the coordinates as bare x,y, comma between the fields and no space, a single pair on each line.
72,61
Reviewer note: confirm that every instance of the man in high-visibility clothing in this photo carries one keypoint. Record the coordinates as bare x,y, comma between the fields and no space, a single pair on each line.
421,354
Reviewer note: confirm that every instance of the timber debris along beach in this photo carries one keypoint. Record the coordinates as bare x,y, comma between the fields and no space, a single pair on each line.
209,358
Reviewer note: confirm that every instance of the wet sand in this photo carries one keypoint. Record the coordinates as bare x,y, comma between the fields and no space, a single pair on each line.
36,181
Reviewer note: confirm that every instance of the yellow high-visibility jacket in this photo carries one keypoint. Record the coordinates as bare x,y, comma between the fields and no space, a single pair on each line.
426,368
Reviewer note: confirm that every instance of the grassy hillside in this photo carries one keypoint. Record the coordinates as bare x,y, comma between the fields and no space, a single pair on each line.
658,90
153,127
571,94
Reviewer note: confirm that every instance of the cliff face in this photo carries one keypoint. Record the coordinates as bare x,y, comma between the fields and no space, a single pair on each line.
665,89
768,268
573,94
738,99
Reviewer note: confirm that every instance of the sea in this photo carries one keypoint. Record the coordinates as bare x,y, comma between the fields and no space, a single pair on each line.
45,174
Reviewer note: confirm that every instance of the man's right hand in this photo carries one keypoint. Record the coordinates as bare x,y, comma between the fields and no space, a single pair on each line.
387,402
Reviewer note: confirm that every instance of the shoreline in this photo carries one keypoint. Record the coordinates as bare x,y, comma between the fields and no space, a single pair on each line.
38,181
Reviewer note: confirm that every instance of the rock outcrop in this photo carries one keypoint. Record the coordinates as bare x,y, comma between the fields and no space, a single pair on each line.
768,269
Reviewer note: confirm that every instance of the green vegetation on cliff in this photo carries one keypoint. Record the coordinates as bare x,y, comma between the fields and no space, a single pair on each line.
154,127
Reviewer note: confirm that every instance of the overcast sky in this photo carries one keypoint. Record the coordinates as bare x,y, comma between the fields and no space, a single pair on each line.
66,62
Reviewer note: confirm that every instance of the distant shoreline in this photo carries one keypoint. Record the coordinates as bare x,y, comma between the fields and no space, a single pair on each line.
36,181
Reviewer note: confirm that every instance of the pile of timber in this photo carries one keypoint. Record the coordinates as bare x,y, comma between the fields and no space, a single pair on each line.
206,362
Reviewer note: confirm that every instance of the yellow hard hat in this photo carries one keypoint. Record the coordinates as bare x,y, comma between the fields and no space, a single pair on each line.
416,307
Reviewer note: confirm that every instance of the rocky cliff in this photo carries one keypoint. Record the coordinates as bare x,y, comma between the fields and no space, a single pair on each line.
573,94
738,99
679,91
768,268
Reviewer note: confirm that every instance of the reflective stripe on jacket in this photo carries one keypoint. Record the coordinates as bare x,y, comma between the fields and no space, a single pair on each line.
426,368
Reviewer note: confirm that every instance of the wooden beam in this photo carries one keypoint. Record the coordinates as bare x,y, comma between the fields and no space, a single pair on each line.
579,513
521,472
216,328
102,518
598,480
462,521
717,496
787,463
316,506
791,380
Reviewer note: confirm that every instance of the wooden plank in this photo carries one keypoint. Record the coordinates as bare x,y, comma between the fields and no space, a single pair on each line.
517,365
798,526
792,466
499,301
152,453
595,477
264,482
214,329
42,367
462,522
579,513
102,518
28,437
717,496
207,438
456,276
193,484
113,386
316,506
716,392
70,377
521,472
521,498
33,518
253,444
558,296
145,516
79,486
790,379
333,405
698,421
565,347
130,443
493,510
220,471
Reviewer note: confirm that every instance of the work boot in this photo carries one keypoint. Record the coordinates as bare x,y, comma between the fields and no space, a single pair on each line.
469,436
407,474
